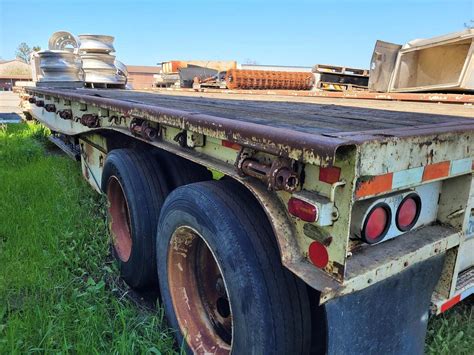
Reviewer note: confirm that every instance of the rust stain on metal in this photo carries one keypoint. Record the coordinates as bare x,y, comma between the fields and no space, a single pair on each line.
208,323
65,114
90,120
336,270
276,176
142,128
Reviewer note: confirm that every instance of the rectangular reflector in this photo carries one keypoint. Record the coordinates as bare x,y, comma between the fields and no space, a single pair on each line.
436,171
461,166
329,174
231,145
375,185
447,305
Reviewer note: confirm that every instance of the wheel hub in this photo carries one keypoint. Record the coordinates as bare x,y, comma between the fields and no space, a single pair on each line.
119,220
199,293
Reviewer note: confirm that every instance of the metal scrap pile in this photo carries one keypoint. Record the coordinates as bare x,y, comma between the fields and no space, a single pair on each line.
185,74
229,75
80,61
222,74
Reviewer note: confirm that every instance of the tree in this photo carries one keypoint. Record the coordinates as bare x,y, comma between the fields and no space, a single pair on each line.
23,52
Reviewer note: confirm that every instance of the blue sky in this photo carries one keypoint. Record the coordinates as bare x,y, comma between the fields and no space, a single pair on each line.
267,32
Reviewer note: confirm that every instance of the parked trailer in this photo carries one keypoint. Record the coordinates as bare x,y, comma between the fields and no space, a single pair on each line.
278,226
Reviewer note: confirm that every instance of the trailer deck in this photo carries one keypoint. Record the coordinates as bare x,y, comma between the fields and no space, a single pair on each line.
311,115
301,128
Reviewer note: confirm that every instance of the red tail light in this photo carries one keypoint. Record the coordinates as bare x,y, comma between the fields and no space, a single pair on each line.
303,210
408,212
376,223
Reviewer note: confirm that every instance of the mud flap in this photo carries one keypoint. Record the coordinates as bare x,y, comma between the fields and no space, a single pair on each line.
389,317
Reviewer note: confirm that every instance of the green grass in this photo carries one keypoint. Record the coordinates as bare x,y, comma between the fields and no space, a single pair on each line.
453,331
59,290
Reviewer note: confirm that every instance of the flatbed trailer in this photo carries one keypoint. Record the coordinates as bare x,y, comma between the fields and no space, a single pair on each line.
368,204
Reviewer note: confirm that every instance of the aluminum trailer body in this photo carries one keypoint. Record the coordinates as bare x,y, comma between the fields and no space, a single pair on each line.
323,172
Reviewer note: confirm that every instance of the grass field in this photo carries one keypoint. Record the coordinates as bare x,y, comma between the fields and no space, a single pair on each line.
59,291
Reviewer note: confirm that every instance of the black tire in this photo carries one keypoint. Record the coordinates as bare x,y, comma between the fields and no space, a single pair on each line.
136,189
269,306
180,171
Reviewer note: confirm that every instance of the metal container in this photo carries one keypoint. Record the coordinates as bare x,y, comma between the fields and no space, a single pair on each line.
443,63
60,68
96,43
439,64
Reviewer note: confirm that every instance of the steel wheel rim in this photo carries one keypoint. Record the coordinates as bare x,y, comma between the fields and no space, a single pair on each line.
199,293
119,216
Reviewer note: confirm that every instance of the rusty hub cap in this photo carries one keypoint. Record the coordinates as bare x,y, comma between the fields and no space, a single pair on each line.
199,293
119,219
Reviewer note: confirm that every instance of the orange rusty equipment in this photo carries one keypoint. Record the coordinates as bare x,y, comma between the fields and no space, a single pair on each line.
267,79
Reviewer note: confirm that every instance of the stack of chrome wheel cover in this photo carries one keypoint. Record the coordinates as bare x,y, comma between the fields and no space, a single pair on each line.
99,64
60,65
